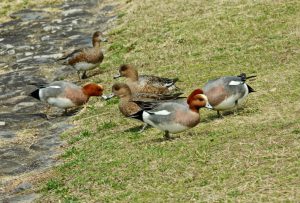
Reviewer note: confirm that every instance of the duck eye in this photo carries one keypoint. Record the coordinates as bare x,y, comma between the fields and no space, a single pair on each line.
116,88
123,68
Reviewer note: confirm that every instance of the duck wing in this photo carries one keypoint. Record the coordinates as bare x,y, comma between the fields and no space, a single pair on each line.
71,55
158,81
151,97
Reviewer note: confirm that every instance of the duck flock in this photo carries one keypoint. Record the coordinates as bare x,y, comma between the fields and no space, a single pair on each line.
153,100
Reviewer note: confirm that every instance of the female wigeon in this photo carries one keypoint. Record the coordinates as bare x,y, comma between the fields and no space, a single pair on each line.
65,94
227,92
173,117
86,58
127,106
146,83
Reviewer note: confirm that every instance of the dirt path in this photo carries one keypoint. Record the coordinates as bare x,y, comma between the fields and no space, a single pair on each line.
29,45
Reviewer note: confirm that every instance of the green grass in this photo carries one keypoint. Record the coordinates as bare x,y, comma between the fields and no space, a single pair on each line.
249,157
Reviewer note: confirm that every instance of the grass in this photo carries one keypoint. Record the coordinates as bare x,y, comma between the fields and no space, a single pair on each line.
249,157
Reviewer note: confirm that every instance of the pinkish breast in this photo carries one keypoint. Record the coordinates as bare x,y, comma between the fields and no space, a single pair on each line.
76,96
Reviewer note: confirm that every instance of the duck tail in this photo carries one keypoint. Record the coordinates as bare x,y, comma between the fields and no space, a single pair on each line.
175,80
35,94
41,84
62,60
169,96
138,115
250,89
244,77
252,76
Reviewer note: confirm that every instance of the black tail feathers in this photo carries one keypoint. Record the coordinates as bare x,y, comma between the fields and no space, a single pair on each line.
35,94
244,77
175,80
250,89
138,115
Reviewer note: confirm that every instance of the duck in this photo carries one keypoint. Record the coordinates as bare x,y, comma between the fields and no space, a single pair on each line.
228,92
86,58
64,95
127,106
146,83
173,117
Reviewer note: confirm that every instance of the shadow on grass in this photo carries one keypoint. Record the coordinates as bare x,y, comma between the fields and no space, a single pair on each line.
94,73
137,129
161,139
215,116
209,118
72,112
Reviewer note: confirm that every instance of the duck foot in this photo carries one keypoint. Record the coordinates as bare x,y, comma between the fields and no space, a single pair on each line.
78,73
235,113
84,76
220,115
143,128
65,113
167,135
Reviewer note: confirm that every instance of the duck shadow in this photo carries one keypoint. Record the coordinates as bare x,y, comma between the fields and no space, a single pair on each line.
94,73
215,116
71,112
41,115
161,140
210,118
56,115
137,129
134,129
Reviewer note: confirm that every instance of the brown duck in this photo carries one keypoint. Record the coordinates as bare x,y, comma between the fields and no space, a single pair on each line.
146,83
86,58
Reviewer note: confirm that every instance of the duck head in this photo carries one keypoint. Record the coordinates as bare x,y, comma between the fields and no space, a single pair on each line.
127,71
121,90
97,38
92,89
197,100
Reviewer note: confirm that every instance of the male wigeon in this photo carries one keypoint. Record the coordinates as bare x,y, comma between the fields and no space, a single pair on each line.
127,106
173,117
65,94
86,58
227,92
146,83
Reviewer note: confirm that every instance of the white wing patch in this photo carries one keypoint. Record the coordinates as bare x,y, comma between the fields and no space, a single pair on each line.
56,87
168,84
163,112
235,82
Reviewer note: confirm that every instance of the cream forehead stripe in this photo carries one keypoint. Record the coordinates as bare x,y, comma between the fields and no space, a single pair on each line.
56,87
204,96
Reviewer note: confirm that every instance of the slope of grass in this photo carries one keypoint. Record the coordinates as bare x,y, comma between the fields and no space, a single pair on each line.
249,157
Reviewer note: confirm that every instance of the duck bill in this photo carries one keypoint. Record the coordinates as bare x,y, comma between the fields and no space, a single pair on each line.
108,97
117,76
208,106
103,39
